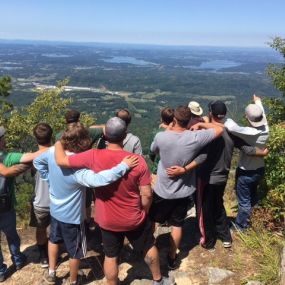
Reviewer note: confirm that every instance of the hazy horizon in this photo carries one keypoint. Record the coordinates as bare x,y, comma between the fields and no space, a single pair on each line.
223,23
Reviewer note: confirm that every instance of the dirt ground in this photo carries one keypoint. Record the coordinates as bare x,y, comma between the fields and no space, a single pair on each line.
192,270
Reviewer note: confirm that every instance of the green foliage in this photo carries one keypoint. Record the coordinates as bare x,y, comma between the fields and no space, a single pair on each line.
5,86
275,162
277,72
48,107
265,248
276,108
24,193
275,174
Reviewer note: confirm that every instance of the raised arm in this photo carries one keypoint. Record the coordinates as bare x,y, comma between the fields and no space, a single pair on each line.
60,156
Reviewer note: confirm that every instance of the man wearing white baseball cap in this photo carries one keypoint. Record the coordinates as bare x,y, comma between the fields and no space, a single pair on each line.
250,168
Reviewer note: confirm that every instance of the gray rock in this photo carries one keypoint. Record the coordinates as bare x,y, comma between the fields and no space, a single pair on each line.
217,275
254,283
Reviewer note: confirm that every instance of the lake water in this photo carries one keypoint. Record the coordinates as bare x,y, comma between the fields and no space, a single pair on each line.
56,55
215,64
128,59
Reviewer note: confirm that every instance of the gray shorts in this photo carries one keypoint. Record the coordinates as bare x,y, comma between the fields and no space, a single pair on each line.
39,219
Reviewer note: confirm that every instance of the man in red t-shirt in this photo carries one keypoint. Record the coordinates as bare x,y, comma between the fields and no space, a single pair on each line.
121,208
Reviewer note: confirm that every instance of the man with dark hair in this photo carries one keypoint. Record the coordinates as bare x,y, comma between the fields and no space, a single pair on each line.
40,212
67,198
131,142
177,146
121,208
72,116
166,119
96,135
212,179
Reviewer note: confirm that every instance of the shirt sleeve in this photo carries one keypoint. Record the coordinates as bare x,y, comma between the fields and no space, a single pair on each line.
204,137
41,164
202,156
138,147
95,133
154,147
12,158
89,178
234,128
81,160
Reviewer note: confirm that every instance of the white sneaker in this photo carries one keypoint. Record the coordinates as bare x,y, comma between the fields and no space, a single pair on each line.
165,281
227,244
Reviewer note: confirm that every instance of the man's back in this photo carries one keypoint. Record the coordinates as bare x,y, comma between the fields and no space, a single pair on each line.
178,148
253,136
118,206
216,168
67,196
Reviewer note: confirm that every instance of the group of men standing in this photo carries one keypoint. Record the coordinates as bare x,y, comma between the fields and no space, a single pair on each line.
192,162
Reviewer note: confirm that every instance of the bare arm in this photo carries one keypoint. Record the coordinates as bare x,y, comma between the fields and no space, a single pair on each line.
218,128
261,152
98,127
60,156
13,170
30,156
146,197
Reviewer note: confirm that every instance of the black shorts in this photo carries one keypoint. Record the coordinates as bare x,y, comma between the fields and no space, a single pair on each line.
141,239
73,237
172,211
39,219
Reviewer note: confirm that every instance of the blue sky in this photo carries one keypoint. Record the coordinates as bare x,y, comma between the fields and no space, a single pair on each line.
168,22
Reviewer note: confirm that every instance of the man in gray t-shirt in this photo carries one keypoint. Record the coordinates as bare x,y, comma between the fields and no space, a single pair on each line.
40,212
177,146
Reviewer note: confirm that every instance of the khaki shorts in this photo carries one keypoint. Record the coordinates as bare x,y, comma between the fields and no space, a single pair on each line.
39,219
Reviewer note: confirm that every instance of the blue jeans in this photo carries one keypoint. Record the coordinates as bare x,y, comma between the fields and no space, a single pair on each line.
8,227
246,190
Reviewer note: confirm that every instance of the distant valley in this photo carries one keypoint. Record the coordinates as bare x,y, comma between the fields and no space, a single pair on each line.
103,78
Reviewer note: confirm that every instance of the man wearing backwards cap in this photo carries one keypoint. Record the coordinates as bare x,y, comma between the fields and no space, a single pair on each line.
250,169
121,208
213,175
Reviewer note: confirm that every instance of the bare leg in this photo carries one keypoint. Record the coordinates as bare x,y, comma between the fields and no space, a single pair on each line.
152,260
52,255
73,266
111,270
175,239
41,236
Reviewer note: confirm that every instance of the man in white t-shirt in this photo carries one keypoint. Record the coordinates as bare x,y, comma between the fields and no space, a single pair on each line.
250,168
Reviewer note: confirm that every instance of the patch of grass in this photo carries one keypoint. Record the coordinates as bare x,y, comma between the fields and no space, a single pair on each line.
265,247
